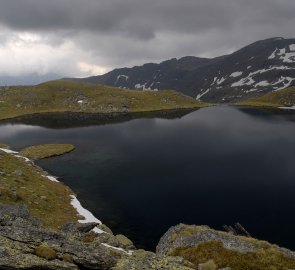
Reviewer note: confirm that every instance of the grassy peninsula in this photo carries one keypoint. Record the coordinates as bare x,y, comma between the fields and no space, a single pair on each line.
281,98
46,151
68,96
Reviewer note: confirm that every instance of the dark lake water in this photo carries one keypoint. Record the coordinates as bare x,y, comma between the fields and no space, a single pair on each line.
214,166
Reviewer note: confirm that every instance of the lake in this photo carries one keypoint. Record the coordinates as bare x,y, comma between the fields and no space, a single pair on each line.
214,166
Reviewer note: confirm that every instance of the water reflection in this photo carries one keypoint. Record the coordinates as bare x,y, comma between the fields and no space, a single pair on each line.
215,166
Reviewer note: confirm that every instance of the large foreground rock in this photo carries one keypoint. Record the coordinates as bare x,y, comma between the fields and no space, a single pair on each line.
203,246
24,244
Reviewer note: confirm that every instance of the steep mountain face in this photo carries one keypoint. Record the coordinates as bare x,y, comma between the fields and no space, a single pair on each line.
254,70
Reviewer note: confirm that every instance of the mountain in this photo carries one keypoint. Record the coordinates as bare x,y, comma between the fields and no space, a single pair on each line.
252,71
28,79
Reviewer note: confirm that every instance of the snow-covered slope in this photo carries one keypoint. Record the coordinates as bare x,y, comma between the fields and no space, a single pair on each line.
259,68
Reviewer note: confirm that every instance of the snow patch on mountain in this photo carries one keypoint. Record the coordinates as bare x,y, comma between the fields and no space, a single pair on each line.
243,81
121,76
214,81
273,55
287,81
145,88
236,74
220,81
262,83
203,94
288,57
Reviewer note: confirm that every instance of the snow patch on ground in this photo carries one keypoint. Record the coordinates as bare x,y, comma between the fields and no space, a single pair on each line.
140,86
8,151
129,252
236,74
288,108
144,88
51,178
89,217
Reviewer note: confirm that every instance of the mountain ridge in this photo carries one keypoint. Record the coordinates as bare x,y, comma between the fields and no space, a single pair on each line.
254,70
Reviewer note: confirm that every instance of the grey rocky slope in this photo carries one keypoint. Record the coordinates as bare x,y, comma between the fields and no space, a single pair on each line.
252,71
24,244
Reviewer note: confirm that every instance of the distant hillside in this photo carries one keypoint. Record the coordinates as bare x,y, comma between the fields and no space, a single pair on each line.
65,96
252,71
282,98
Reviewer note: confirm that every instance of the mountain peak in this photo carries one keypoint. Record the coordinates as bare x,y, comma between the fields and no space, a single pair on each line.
261,67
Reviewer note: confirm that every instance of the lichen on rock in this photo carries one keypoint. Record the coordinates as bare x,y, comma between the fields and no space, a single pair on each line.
205,247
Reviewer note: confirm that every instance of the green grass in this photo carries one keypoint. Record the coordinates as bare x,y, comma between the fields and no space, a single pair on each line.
5,146
67,96
281,98
46,150
264,259
22,182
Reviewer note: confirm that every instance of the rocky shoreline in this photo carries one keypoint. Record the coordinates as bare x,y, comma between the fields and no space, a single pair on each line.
25,243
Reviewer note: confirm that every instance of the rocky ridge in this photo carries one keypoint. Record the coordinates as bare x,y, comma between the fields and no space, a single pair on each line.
259,68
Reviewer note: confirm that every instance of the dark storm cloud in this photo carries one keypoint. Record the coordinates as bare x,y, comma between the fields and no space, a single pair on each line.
142,18
118,33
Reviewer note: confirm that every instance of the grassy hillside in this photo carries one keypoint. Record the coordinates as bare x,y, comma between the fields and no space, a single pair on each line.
282,98
46,151
67,96
22,182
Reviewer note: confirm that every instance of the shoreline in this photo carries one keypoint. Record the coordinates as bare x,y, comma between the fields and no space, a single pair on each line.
186,241
105,115
88,217
76,204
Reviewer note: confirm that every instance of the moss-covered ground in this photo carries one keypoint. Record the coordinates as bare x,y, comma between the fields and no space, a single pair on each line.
22,182
263,259
67,96
46,150
281,98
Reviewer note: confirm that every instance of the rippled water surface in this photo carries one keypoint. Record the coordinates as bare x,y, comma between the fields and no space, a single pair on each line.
214,166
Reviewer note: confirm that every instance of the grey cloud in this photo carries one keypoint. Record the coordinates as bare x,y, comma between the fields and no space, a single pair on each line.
141,18
119,33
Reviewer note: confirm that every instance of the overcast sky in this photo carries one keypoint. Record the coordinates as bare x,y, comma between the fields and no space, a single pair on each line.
87,37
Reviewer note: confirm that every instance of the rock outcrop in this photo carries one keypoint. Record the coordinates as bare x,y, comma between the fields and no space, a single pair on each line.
204,246
25,244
